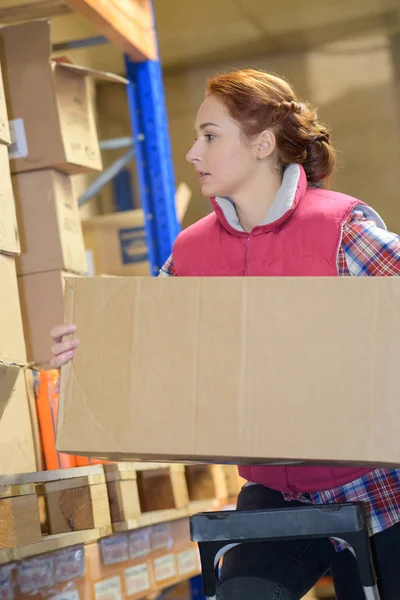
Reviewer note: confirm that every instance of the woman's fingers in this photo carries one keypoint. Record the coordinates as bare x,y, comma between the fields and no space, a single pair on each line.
59,331
58,361
63,347
62,351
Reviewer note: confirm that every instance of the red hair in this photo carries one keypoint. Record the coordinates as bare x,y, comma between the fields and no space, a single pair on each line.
257,100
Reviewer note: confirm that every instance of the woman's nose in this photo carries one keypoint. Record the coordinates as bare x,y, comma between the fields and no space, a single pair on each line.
193,155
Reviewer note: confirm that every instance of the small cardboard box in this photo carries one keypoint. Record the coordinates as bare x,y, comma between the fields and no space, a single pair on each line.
42,301
49,223
50,108
9,238
233,369
118,240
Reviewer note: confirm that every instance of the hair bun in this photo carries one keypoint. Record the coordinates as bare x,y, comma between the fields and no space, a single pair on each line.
292,107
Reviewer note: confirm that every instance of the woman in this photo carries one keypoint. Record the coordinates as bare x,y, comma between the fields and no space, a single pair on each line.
264,160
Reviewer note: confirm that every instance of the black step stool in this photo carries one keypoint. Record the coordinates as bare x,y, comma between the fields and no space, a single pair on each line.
218,532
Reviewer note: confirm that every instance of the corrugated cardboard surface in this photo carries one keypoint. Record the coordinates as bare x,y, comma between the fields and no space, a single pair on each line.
17,443
244,369
42,307
118,240
50,109
12,344
49,223
4,128
9,238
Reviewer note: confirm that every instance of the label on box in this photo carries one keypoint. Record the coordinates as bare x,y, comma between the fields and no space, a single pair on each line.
187,562
114,549
109,589
161,536
35,574
70,595
137,579
139,543
164,567
69,564
19,145
133,245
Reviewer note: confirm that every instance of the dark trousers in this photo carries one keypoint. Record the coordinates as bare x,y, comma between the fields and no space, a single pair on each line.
288,570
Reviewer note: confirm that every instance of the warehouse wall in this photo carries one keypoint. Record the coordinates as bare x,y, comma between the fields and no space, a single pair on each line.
353,84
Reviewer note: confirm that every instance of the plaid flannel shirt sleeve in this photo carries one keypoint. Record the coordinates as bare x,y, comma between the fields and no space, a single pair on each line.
367,249
168,269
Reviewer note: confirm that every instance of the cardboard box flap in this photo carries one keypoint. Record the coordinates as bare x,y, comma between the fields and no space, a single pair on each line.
97,74
8,377
30,39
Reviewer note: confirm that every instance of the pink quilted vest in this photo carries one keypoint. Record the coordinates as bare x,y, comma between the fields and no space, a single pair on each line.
303,239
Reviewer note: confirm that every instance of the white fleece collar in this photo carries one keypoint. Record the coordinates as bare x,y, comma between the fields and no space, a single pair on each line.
283,200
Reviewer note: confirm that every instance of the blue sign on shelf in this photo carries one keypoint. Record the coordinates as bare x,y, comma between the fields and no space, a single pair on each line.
132,241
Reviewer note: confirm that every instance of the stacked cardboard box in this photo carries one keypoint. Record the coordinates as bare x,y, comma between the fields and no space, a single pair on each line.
118,240
19,443
54,136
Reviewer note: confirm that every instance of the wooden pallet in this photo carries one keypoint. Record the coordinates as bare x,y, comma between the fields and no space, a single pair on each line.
19,515
142,494
49,543
46,511
35,507
207,487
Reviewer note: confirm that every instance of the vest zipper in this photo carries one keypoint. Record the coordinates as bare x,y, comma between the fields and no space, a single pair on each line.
246,253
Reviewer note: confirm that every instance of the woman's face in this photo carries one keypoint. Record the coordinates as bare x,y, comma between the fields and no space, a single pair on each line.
223,160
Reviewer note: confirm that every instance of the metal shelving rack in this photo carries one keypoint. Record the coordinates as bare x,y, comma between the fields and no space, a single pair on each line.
150,147
150,144
153,158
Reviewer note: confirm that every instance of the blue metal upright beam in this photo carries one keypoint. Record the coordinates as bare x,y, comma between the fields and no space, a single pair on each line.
196,588
154,164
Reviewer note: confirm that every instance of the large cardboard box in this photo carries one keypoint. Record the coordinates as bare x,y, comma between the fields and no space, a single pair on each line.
9,238
118,240
18,454
49,223
50,108
245,370
42,301
12,345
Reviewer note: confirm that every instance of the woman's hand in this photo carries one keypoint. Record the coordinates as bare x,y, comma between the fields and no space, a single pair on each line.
63,351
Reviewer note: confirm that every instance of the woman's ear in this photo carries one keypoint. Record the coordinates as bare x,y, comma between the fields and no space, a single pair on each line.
266,144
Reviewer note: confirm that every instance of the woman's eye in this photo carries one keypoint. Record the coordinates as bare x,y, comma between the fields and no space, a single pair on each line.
209,136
